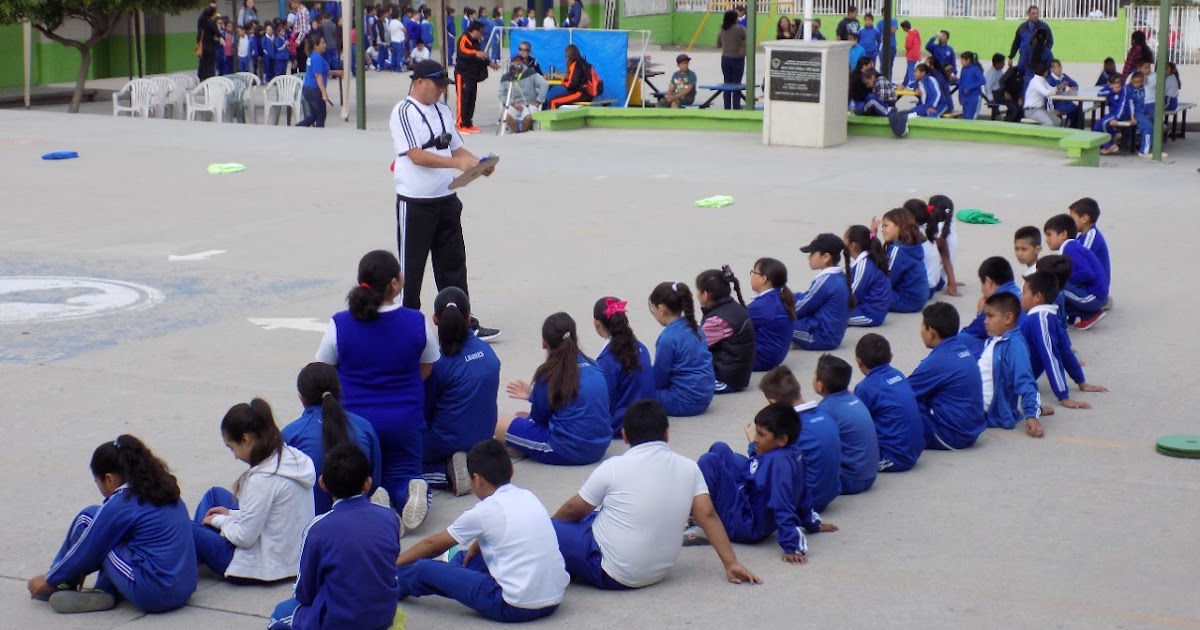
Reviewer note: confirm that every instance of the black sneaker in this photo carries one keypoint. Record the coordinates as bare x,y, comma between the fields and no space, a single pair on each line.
484,334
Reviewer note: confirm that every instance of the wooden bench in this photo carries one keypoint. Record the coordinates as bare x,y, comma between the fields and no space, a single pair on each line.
1177,131
604,102
952,115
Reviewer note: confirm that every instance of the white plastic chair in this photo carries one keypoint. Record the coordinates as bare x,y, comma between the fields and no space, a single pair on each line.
210,96
254,88
283,94
140,94
166,96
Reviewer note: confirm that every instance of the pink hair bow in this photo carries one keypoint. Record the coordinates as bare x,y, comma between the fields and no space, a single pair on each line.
612,306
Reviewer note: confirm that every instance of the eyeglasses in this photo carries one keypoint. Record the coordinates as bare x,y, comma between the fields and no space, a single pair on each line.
755,272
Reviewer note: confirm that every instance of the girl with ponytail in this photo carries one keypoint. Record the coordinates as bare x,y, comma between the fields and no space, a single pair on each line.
684,381
325,424
568,423
251,535
624,360
867,268
773,309
727,329
823,312
930,219
138,541
460,394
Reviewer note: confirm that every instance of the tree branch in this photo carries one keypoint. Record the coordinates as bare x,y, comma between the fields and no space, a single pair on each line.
51,35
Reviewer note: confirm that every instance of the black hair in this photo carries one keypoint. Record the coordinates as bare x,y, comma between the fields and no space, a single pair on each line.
941,318
490,460
1137,37
254,419
777,274
1108,60
1044,283
1004,302
621,339
731,18
922,68
148,477
862,62
873,350
971,57
998,58
1058,265
468,11
860,235
1039,68
906,221
677,297
1086,207
345,470
453,312
906,24
946,33
780,419
1028,233
941,213
716,283
318,384
376,270
1061,223
997,269
780,385
834,373
560,370
1138,74
645,421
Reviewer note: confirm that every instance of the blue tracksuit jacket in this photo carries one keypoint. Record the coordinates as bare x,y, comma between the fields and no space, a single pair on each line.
975,334
624,387
772,330
871,41
1088,284
1065,107
822,312
931,94
150,547
1050,349
1094,241
304,433
949,393
872,292
684,380
856,429
898,424
970,90
1014,390
580,430
910,284
460,400
822,448
943,54
427,33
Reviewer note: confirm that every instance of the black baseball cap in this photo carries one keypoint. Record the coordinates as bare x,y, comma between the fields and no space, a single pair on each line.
682,58
824,243
430,69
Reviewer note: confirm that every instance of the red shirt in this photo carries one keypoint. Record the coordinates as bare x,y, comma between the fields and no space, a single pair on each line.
912,45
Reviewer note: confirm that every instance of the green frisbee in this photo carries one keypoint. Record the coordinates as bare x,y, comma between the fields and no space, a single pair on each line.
1179,446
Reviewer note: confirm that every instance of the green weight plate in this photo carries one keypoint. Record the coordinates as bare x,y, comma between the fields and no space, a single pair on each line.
1182,444
1163,451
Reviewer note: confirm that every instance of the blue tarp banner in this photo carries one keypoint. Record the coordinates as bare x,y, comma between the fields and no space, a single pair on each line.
605,50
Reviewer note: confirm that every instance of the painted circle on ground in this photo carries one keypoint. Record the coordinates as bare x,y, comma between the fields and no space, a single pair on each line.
36,299
1179,445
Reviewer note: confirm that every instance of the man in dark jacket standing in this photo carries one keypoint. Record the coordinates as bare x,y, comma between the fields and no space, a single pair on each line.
471,68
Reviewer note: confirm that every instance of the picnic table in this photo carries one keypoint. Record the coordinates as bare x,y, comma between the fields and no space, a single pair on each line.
1088,97
721,88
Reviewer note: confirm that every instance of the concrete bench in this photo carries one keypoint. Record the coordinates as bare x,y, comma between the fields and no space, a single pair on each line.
691,118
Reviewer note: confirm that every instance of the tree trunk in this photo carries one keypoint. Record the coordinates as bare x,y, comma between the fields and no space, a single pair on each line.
85,64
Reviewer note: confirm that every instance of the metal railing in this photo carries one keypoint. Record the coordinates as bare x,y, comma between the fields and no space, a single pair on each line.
977,9
720,6
633,8
1183,43
1065,9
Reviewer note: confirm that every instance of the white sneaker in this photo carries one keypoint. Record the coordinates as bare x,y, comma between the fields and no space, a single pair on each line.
381,498
457,476
416,508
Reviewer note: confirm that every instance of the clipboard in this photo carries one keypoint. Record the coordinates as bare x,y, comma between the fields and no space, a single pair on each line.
489,161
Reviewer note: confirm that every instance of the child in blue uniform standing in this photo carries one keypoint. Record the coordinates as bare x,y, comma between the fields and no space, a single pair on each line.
971,83
138,540
942,52
892,404
856,428
765,492
624,360
325,424
867,267
823,311
906,260
568,423
772,311
727,329
1009,390
460,394
947,383
684,380
383,351
348,561
819,441
1049,344
995,276
1087,290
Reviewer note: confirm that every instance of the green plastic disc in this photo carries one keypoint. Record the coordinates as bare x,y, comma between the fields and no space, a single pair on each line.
1179,445
1162,451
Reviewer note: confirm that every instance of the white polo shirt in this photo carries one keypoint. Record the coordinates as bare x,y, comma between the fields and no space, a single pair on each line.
518,544
645,497
413,125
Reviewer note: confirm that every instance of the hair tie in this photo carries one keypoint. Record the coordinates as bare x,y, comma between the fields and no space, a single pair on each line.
613,306
449,304
930,209
872,236
365,286
117,443
675,287
726,273
326,394
566,335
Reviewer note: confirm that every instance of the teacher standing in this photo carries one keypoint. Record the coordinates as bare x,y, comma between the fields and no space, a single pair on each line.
732,42
429,150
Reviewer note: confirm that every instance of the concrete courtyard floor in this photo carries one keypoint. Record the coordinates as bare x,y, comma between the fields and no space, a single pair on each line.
1086,528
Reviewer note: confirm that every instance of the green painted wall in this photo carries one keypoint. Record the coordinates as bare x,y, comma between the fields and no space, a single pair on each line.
55,63
659,26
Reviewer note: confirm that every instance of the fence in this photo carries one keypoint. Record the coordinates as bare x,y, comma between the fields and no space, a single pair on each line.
981,9
1183,43
1065,9
633,8
763,7
978,9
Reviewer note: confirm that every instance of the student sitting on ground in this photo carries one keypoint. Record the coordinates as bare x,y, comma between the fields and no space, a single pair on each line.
765,492
727,329
1027,246
1086,213
1060,267
682,90
823,311
856,428
995,276
1049,344
892,404
522,92
348,559
624,360
906,260
509,569
683,366
138,540
867,267
947,383
568,423
819,440
1087,290
938,266
644,496
1009,389
772,311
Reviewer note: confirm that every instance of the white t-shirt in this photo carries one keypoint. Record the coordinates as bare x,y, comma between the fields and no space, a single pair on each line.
327,352
985,370
933,263
396,30
413,125
645,497
518,544
420,54
548,22
1036,93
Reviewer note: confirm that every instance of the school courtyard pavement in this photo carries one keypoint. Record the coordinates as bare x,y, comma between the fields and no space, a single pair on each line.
217,285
